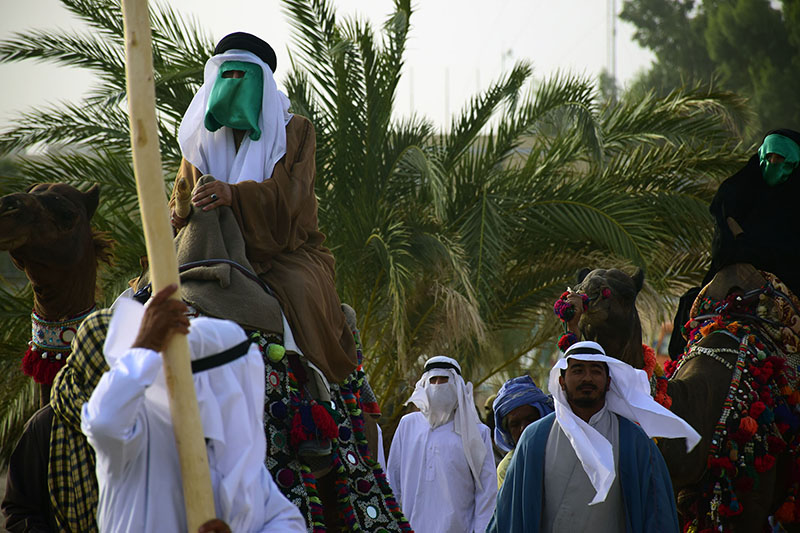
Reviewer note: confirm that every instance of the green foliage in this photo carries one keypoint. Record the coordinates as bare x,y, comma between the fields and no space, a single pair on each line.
751,47
89,143
458,241
454,241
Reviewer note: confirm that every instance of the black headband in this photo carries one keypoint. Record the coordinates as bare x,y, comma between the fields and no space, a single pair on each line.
221,358
583,350
442,364
246,41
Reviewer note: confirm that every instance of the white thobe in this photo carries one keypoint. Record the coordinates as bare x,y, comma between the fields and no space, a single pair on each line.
431,479
138,472
568,491
381,453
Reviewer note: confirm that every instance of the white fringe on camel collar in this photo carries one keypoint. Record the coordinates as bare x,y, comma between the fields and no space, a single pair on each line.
628,396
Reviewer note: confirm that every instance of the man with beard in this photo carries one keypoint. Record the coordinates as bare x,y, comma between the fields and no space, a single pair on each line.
441,467
589,466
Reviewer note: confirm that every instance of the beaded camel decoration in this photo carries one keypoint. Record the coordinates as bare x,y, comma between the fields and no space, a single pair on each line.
736,384
48,234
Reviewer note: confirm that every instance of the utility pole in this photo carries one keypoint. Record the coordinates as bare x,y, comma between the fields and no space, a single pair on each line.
611,45
503,56
411,91
446,95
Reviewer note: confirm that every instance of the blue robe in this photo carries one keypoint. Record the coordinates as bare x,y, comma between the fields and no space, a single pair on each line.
646,487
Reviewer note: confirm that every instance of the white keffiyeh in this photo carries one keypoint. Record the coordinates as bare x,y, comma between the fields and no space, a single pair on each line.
230,398
215,152
433,402
628,396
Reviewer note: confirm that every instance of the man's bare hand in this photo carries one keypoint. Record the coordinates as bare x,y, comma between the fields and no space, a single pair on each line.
214,526
212,195
163,317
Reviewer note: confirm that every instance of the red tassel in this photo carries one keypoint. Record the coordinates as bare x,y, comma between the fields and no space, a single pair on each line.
324,422
567,340
371,408
297,433
42,370
764,463
785,513
48,371
30,362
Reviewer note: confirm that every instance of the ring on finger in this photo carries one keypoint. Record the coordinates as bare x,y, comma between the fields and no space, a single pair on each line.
214,197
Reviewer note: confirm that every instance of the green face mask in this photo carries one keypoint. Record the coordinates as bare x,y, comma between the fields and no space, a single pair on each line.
236,102
777,173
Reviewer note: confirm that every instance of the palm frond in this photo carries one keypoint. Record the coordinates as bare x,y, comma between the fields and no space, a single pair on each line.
467,125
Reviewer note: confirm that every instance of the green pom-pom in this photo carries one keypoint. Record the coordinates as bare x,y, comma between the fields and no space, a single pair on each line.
275,352
761,355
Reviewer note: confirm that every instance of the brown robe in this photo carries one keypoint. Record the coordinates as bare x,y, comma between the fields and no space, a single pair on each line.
278,219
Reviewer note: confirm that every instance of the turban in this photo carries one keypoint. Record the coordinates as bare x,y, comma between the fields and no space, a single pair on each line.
514,393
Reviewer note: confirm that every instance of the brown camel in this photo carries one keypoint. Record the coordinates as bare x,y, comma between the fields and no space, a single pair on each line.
343,490
698,390
47,232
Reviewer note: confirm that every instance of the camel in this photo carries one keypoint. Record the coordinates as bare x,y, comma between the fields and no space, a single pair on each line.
47,232
714,483
343,490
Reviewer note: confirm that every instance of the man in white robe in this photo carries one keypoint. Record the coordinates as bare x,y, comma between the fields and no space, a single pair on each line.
591,465
441,466
128,423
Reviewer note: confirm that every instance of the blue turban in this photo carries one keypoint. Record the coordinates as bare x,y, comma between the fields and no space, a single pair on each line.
514,393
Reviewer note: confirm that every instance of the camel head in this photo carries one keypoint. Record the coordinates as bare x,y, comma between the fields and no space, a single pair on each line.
611,318
47,233
47,223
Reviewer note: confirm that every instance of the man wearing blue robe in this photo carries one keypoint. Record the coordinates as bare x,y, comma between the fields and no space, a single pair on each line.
586,467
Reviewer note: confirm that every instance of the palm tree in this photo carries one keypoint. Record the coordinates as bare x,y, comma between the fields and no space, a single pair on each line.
458,241
453,241
89,143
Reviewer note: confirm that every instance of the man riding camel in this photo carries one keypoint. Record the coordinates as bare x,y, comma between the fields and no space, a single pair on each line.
238,128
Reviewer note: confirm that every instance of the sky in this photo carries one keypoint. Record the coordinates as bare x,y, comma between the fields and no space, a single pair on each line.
456,47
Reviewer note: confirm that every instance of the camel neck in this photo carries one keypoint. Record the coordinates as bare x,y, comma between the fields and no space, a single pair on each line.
62,293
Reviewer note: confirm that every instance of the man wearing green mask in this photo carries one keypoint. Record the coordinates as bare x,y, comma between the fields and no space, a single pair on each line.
756,220
755,212
235,99
238,129
778,158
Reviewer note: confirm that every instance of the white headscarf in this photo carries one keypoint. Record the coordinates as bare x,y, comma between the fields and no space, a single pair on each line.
433,402
215,152
231,401
628,396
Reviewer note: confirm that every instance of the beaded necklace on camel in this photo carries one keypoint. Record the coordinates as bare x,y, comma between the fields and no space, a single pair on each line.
759,418
50,345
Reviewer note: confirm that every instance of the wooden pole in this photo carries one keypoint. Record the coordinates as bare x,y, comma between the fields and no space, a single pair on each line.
163,262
